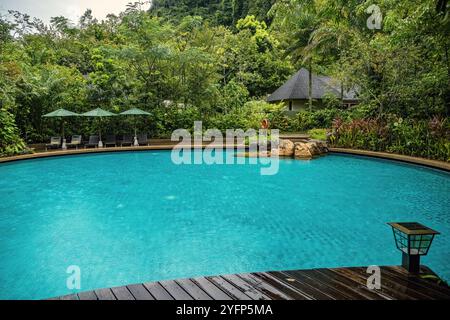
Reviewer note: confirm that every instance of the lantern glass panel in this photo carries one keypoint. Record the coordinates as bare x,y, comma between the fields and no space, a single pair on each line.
419,244
401,239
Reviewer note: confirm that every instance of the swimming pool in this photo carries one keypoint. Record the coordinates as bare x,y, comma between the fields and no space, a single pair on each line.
135,217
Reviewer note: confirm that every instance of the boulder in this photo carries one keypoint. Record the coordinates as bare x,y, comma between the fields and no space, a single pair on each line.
321,145
264,154
275,152
302,151
285,148
313,148
261,154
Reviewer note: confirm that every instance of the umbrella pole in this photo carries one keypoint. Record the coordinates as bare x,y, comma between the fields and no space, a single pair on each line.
64,145
136,142
100,142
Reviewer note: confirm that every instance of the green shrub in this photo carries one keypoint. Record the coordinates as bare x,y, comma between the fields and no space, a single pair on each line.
421,138
306,120
318,134
10,141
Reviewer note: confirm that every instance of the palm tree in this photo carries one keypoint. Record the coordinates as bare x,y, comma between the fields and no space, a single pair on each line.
322,29
300,20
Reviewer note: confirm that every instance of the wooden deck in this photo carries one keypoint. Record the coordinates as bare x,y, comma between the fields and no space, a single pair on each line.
316,284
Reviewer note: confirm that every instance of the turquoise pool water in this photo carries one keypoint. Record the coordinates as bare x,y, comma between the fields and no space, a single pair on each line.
134,217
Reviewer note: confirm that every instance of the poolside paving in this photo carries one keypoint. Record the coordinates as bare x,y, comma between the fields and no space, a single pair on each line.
68,152
442,165
314,284
165,144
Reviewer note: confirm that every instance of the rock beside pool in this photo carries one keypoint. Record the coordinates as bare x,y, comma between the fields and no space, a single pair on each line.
260,154
321,145
309,150
313,148
302,151
264,154
274,152
285,148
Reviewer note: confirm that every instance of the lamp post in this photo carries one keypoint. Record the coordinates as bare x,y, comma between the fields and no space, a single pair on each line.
413,240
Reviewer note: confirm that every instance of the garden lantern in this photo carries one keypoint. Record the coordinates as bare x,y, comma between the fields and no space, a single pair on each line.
413,240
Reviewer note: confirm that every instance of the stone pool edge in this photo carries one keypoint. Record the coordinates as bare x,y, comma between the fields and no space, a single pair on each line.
436,164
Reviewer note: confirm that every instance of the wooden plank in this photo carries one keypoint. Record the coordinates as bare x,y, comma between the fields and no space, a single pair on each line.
331,286
339,283
362,281
432,288
104,294
264,287
386,287
211,289
353,285
139,292
175,290
413,285
157,291
69,297
194,291
88,295
248,289
282,286
321,290
395,283
229,288
122,293
301,286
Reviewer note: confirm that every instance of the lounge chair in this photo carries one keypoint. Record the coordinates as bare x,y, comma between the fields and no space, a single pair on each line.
110,140
55,143
127,141
93,142
142,140
75,142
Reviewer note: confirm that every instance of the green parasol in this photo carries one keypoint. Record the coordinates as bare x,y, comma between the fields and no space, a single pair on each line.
61,113
135,112
100,113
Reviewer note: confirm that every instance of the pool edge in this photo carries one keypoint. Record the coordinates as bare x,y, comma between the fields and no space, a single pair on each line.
436,164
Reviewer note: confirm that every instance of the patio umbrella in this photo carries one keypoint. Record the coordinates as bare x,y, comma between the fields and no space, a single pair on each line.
100,113
61,113
135,112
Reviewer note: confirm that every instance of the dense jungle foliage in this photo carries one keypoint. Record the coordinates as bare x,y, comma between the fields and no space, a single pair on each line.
217,61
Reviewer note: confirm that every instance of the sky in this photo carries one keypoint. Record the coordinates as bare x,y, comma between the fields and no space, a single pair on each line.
72,9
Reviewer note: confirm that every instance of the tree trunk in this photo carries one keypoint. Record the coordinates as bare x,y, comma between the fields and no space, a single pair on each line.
310,85
447,95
